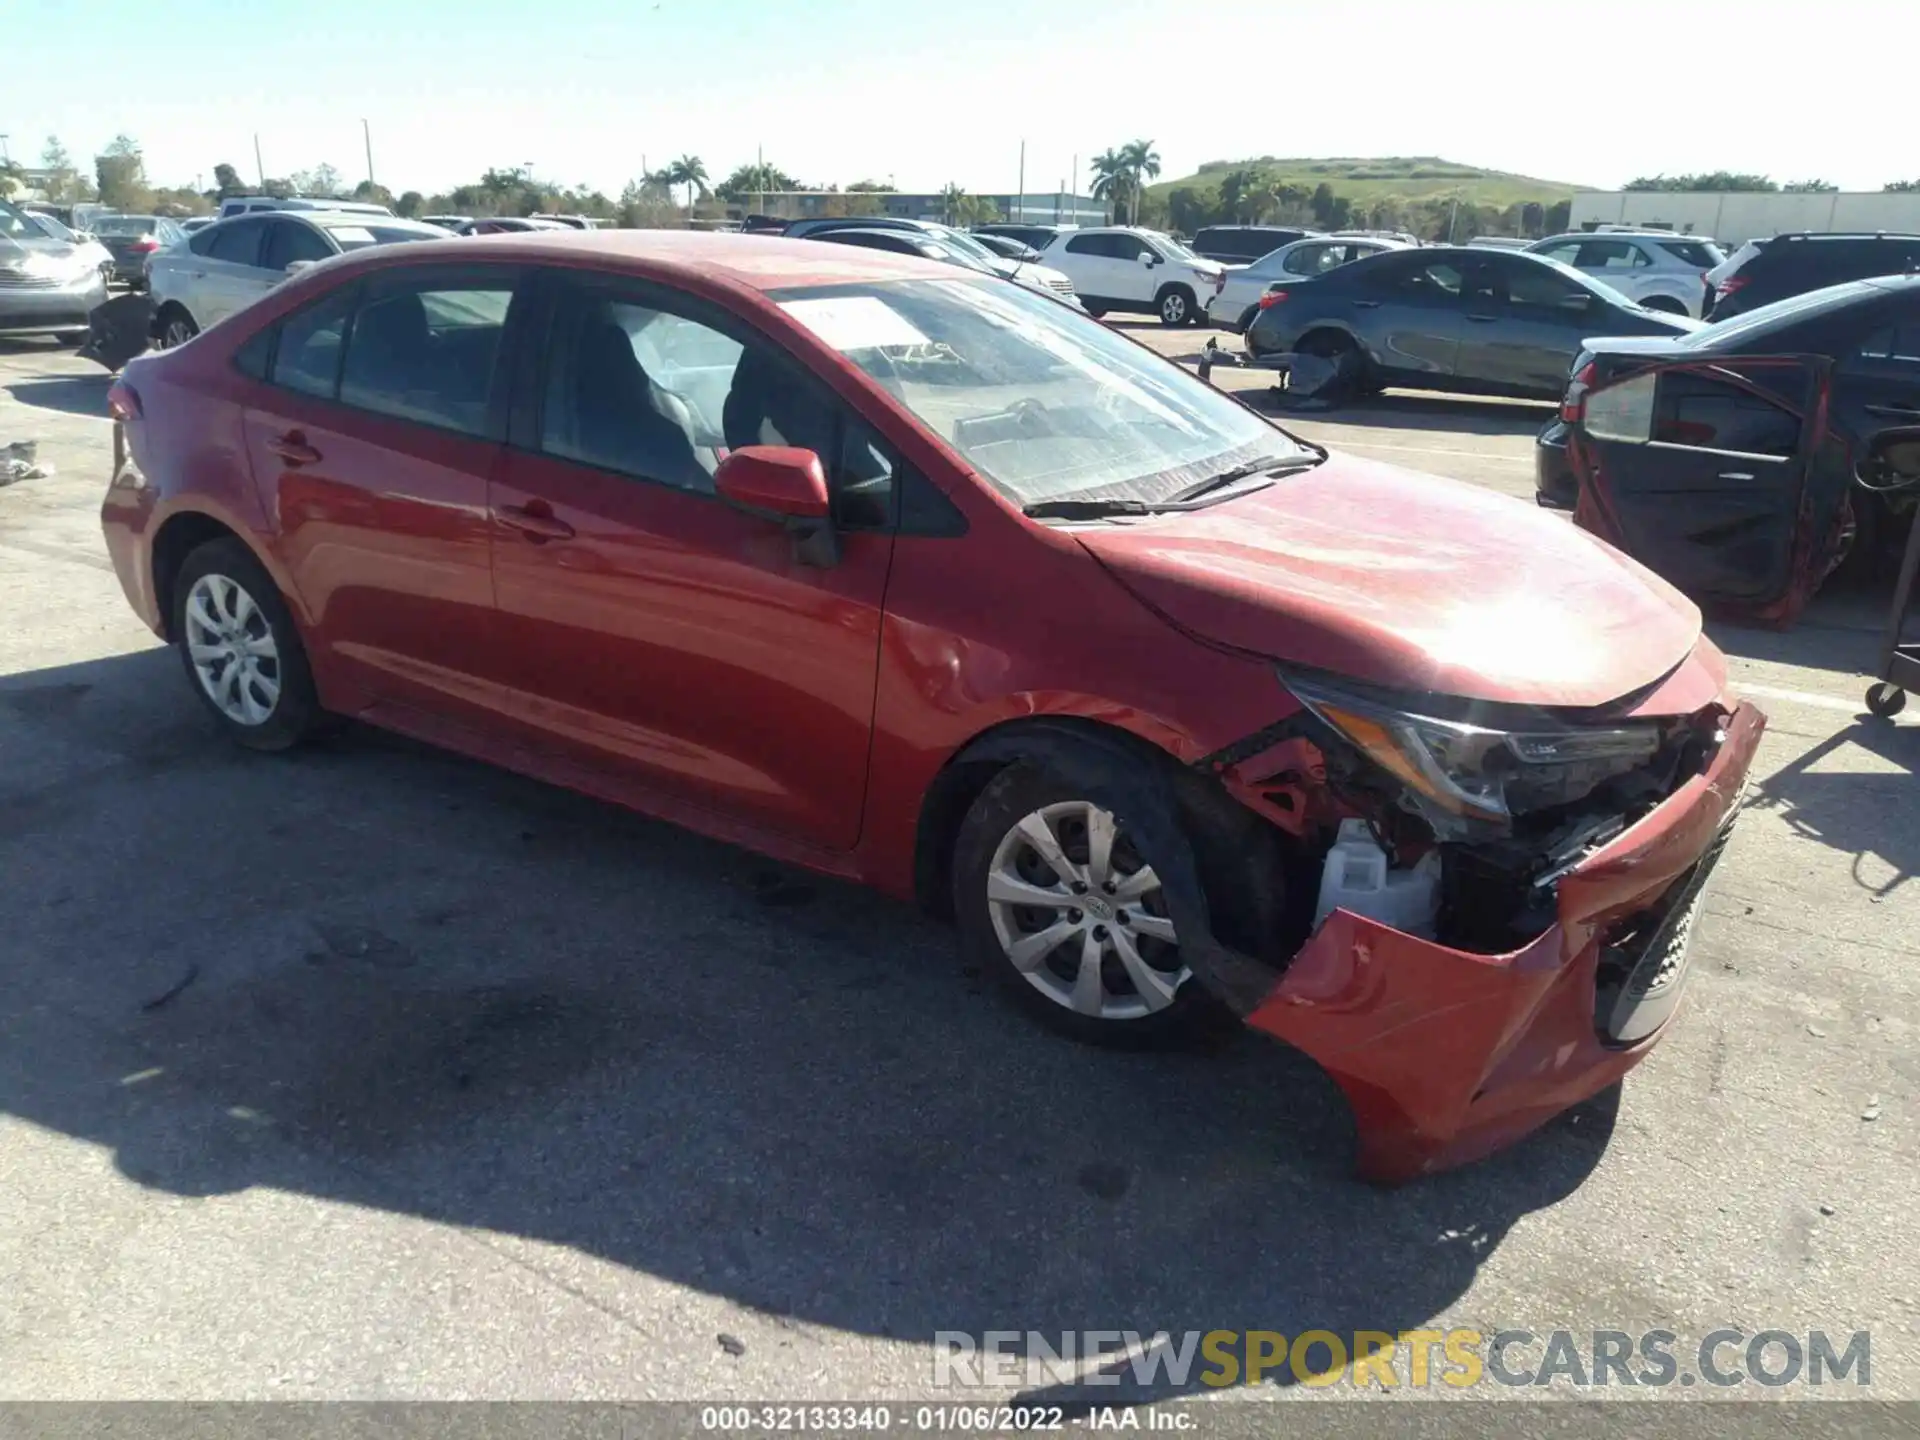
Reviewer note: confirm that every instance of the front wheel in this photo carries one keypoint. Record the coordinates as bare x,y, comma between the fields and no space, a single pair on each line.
241,650
1176,306
1059,902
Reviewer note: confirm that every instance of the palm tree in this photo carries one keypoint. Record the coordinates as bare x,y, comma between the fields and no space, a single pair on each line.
691,172
950,200
1112,180
1143,164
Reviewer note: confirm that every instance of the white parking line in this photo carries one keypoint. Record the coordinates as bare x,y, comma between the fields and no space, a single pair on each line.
1802,697
1343,443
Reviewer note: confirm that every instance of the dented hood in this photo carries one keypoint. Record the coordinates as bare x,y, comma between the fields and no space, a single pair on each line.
1410,581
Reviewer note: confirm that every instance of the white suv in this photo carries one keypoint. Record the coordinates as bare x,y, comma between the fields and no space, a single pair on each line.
1656,268
1119,267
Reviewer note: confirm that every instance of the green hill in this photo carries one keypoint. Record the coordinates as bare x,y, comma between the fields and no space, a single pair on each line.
1408,178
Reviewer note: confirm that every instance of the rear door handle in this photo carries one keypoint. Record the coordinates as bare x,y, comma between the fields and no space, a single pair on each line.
1735,475
293,448
536,521
1483,319
1366,304
1895,412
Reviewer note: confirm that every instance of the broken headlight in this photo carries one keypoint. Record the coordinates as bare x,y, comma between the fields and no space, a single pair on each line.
1455,770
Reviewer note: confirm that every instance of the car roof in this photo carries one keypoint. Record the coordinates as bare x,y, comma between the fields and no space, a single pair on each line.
685,257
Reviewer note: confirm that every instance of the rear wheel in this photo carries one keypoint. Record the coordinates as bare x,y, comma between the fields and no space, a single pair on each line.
1353,374
1665,304
72,337
241,650
1886,700
1098,312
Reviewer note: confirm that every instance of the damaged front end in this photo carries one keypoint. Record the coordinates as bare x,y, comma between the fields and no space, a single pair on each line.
1572,850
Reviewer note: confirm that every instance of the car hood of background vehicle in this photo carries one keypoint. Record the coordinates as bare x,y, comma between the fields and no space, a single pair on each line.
1409,581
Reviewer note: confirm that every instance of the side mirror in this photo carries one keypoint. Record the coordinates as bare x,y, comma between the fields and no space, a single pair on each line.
786,484
1147,257
1579,304
294,267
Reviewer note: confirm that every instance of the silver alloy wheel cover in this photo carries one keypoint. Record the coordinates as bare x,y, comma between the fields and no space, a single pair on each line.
177,332
232,649
1109,918
1174,307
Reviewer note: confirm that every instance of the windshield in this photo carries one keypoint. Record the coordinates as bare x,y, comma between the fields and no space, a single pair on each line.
1174,249
967,245
358,237
1043,402
1778,315
958,255
18,225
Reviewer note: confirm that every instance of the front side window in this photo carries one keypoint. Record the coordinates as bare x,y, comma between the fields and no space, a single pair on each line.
426,352
1042,402
289,240
237,243
1566,254
1543,287
640,388
1611,255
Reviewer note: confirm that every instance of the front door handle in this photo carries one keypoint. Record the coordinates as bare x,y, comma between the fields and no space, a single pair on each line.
1894,412
1483,319
293,448
1366,304
1735,475
536,521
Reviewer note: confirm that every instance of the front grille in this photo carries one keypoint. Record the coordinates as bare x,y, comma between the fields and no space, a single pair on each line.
15,279
1643,959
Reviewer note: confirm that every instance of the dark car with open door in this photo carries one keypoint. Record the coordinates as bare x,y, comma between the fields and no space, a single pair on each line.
1729,461
1453,318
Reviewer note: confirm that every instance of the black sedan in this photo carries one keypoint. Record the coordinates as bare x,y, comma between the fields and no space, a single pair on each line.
133,240
1737,461
1469,321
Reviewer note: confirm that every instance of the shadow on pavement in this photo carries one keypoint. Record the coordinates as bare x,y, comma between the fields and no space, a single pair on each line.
72,394
1858,810
379,974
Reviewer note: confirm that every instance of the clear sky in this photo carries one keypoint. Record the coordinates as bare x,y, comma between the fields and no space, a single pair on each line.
925,93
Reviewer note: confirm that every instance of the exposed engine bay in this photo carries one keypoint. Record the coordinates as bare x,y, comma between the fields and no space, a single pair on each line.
1511,798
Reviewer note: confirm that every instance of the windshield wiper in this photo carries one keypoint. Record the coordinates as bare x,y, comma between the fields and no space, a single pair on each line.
1268,466
1085,509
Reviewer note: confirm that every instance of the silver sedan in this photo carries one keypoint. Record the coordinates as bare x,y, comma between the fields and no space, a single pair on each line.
1238,301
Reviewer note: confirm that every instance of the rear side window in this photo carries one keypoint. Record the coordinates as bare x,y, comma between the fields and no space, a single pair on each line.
307,358
1103,246
1692,252
1612,255
426,352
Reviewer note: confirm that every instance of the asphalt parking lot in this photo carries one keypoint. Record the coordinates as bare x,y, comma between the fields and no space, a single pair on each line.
371,1072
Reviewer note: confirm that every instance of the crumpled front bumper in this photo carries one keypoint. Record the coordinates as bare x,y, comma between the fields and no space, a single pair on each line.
1446,1056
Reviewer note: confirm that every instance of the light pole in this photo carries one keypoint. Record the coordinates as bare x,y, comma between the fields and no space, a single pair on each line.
367,135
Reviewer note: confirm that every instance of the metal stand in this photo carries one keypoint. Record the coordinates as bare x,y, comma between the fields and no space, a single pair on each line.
1899,662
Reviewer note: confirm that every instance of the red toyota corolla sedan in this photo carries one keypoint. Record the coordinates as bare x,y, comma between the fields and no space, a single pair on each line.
929,581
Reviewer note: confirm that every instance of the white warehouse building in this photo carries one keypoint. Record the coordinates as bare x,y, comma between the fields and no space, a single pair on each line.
1735,216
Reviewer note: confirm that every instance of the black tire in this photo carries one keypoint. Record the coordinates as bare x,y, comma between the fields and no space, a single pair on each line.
1021,791
1355,377
1665,304
1098,312
1886,700
1176,306
176,327
295,712
73,337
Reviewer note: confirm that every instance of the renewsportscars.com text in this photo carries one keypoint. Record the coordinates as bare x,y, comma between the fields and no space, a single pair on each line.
1378,1359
